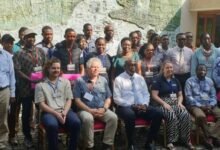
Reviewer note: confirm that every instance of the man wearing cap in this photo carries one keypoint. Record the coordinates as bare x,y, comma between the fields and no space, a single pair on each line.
7,89
28,60
7,43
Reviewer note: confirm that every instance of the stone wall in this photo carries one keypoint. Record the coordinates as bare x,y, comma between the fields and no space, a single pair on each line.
125,15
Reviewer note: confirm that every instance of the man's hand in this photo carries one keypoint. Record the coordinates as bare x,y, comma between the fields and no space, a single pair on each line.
60,117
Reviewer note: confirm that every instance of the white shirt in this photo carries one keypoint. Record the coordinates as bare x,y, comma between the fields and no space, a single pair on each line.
124,94
180,58
112,47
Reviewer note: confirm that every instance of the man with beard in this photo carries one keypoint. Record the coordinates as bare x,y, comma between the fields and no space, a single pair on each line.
54,97
69,53
201,100
46,44
28,60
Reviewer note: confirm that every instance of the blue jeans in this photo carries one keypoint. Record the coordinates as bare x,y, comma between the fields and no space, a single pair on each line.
52,125
26,113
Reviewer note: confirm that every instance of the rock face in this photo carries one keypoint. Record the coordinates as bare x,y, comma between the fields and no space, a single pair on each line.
125,15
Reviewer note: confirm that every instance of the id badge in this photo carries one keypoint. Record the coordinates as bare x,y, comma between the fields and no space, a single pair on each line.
88,96
204,96
173,96
103,70
148,74
38,69
71,67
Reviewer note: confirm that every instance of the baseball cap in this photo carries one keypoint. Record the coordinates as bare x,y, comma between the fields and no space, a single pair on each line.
28,32
7,38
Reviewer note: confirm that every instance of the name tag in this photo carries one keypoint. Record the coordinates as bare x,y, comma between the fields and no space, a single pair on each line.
149,74
56,95
88,96
71,67
103,70
173,96
38,69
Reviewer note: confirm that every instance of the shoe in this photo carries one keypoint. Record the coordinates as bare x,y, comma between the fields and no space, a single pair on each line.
13,141
190,146
170,146
216,142
131,147
28,143
208,144
150,146
106,147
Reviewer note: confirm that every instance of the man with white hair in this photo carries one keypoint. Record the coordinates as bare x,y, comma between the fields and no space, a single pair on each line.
93,99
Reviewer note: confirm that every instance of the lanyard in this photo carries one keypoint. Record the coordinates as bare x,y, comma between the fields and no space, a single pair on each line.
170,86
34,60
70,56
103,60
53,87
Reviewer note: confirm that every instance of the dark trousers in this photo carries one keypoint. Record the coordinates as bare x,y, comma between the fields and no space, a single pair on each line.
26,113
128,115
12,119
72,125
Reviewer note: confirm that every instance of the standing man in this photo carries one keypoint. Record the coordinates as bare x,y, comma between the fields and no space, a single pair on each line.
180,56
54,97
90,38
112,45
30,59
201,101
136,45
7,93
69,53
46,44
93,99
20,44
132,99
189,40
7,43
164,42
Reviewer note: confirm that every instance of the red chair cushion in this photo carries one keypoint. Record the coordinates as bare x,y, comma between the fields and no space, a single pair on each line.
210,118
140,121
99,125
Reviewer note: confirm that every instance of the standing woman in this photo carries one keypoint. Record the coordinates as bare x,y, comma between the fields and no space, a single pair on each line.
149,66
127,53
166,91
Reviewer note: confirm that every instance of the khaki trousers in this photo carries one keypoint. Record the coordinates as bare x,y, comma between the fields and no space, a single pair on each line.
200,117
87,131
4,103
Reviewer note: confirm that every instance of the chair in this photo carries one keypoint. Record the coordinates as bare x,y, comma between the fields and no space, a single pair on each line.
141,123
210,119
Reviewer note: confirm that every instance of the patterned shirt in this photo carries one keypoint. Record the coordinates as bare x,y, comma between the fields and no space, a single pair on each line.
25,61
100,91
200,92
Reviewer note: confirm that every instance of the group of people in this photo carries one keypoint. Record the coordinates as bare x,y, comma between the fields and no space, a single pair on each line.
140,80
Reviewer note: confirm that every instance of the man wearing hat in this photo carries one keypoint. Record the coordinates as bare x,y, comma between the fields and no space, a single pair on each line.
7,88
29,60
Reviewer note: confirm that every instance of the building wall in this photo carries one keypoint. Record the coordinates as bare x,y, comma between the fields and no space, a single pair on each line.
125,15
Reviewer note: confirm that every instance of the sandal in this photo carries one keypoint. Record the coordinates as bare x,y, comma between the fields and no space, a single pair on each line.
170,146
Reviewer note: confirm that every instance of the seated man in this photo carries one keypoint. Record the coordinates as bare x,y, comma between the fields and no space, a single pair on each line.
201,100
132,97
54,97
93,99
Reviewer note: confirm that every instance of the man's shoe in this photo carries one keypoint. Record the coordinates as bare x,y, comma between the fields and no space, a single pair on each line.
208,144
131,147
28,143
13,141
150,146
106,147
216,142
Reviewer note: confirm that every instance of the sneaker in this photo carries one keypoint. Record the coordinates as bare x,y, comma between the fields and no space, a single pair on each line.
13,141
28,143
